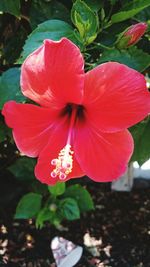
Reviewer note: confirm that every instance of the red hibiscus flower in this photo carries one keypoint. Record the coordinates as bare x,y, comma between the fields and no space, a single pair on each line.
79,126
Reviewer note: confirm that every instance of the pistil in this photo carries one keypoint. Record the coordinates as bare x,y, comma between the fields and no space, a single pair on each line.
64,163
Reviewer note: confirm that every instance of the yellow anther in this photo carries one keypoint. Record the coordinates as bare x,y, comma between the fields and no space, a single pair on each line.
63,164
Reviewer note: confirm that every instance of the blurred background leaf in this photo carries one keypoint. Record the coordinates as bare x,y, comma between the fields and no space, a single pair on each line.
10,6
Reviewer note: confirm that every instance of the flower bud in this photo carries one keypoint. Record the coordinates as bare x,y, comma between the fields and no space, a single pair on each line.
131,35
53,207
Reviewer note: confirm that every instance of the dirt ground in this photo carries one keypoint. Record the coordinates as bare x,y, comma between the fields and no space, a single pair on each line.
115,234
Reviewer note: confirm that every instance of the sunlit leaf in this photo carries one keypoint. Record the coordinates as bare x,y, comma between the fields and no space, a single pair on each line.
50,29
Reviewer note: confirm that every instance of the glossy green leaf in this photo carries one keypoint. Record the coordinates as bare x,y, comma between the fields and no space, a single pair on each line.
94,4
81,195
133,57
50,29
41,11
58,189
130,10
69,209
23,169
141,135
28,206
85,20
10,6
10,86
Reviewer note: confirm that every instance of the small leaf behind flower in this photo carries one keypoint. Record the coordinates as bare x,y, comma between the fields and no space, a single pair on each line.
57,189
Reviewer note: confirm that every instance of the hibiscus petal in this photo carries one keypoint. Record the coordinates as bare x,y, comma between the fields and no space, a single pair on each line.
32,126
44,167
102,156
115,97
54,74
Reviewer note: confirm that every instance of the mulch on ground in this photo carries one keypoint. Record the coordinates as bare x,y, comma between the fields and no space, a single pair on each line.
115,234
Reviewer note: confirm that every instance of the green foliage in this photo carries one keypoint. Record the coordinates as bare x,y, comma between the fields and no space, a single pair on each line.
10,86
28,206
85,20
81,195
51,29
57,189
46,214
41,11
95,5
43,216
61,203
10,6
69,209
22,169
130,10
141,135
95,28
133,57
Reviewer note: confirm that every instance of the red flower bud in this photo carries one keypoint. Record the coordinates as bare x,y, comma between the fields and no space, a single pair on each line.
131,35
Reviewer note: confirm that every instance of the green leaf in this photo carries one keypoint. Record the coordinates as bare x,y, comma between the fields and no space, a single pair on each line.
23,169
69,209
95,5
144,15
50,29
85,20
10,86
10,6
43,215
57,189
41,11
81,195
141,135
133,57
28,206
130,10
48,215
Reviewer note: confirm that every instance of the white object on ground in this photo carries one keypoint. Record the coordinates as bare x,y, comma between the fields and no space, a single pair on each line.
66,254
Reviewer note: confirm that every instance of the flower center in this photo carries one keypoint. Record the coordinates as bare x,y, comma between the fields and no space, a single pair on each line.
64,163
